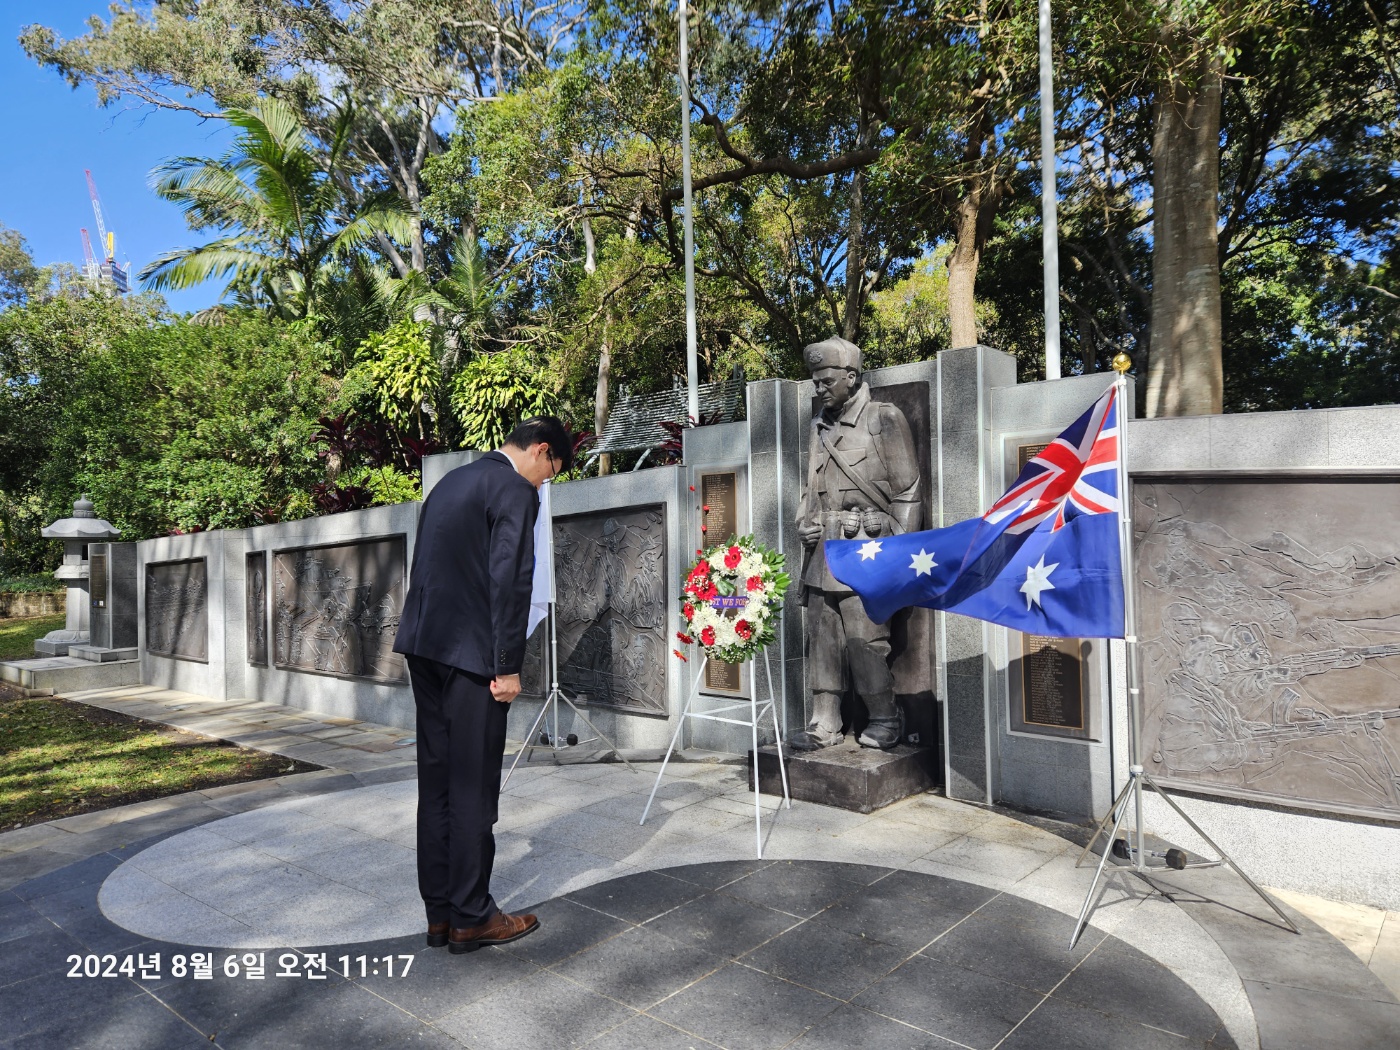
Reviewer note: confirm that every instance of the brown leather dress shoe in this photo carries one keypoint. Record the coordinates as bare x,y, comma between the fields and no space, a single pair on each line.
499,929
437,934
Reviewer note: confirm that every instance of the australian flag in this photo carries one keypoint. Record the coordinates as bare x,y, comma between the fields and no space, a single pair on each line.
1045,559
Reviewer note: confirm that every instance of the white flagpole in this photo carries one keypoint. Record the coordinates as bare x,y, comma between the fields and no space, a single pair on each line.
692,358
1121,363
1049,233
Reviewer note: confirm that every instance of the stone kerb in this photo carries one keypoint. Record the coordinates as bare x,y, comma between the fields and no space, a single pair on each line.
608,620
341,580
1291,845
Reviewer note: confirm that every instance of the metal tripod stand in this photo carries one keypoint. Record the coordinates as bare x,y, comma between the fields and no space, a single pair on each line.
551,704
1134,849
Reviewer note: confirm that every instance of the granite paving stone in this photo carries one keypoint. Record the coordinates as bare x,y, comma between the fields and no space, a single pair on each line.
722,924
826,960
741,1007
647,1033
439,982
1023,948
1293,1018
799,889
544,1010
637,898
966,1007
639,967
849,1027
565,929
1058,1025
1119,980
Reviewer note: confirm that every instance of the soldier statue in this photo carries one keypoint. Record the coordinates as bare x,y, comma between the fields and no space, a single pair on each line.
862,482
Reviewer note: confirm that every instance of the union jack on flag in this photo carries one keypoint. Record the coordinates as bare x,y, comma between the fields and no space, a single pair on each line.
1075,474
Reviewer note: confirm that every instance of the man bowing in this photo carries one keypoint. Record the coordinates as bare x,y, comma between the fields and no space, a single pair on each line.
463,633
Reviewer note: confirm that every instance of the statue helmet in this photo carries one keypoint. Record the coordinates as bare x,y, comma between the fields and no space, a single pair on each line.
832,353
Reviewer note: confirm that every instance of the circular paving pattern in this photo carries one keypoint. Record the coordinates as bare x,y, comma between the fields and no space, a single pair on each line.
804,954
331,868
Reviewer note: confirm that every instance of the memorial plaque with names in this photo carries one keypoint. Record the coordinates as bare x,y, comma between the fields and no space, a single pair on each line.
255,584
177,609
719,513
336,609
97,580
1052,683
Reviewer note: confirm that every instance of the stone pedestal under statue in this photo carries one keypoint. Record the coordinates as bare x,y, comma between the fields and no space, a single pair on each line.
849,776
76,532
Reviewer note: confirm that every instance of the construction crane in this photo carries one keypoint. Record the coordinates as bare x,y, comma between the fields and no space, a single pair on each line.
109,269
90,267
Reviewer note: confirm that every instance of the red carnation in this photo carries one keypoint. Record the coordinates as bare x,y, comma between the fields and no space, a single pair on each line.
688,611
684,637
755,583
732,558
707,636
743,630
706,591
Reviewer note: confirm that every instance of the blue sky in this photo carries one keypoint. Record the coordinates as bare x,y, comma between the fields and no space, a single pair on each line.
56,132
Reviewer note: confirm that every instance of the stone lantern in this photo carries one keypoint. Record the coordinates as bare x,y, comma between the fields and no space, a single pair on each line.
76,532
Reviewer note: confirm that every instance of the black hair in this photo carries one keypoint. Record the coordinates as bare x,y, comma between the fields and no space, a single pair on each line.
551,431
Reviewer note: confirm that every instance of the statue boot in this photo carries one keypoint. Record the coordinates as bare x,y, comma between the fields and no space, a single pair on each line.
825,728
886,727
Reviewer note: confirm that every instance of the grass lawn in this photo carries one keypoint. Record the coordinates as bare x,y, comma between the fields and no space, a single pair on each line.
58,758
17,636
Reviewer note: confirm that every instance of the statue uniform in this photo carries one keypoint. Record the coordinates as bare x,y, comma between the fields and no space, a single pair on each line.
862,482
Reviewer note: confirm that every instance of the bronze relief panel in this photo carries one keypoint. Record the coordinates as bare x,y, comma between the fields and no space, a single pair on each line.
611,607
1270,611
177,609
336,609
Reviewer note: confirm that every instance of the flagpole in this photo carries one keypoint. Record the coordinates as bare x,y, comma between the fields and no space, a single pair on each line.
1120,364
1135,850
1049,233
692,354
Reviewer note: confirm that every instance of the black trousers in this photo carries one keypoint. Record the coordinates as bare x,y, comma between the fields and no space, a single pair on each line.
461,739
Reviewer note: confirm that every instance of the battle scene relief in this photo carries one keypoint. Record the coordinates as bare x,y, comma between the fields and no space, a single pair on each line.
177,609
336,609
1270,613
611,606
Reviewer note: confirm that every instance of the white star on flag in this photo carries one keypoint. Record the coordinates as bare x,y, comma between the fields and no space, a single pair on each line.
1037,580
869,549
923,563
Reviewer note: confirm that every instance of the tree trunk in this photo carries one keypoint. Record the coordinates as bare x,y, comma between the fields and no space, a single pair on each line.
600,402
1184,376
855,254
972,224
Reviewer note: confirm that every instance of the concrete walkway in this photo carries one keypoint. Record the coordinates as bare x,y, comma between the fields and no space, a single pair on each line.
325,859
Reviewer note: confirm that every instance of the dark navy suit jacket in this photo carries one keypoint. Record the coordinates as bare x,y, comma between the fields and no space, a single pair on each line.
469,589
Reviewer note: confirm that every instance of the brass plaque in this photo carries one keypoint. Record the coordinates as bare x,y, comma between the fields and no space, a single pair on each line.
1052,682
177,609
611,608
719,507
1271,639
721,677
336,609
97,580
1026,453
255,611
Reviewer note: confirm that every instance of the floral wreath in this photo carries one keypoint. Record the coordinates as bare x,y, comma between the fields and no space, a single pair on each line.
730,599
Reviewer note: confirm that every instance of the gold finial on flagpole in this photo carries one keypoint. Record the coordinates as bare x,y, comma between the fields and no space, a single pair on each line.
1121,362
